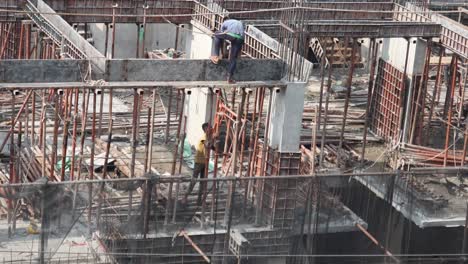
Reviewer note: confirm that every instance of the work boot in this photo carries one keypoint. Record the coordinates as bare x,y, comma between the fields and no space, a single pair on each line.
214,59
230,80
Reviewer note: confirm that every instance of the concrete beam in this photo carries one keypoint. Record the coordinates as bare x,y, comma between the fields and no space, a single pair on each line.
45,71
373,29
131,11
453,35
138,70
316,14
197,85
192,70
363,29
128,11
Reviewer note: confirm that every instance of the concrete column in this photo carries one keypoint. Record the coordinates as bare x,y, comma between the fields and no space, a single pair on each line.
286,117
201,101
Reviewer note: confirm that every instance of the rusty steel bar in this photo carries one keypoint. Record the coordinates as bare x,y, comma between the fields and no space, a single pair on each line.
106,41
27,45
113,30
20,47
449,118
26,122
91,161
314,139
252,132
147,207
181,159
465,232
186,236
322,81
435,92
101,105
108,144
83,128
75,126
404,123
235,154
174,161
168,116
64,146
250,150
55,134
260,191
137,55
421,97
327,100
461,100
349,82
373,46
244,124
17,173
135,120
143,37
465,145
374,240
176,44
147,142
33,119
12,179
209,138
151,139
43,134
261,99
216,157
425,80
23,106
4,45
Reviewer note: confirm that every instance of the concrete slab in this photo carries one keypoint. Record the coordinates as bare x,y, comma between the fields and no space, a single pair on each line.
423,209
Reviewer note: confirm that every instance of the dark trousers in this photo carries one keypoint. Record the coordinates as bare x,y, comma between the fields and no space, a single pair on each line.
198,171
236,48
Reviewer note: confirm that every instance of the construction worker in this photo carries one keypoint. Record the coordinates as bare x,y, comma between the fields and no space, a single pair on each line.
200,163
231,30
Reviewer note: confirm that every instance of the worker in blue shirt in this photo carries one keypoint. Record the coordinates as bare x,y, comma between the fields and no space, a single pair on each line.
232,30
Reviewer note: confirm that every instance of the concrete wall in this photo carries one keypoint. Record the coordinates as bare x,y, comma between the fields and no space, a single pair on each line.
158,36
200,44
394,51
286,118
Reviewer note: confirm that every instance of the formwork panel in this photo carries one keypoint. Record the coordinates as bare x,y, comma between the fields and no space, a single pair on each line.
386,101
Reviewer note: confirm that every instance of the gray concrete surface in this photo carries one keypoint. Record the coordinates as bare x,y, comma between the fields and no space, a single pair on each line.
21,71
158,36
41,71
286,117
192,70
